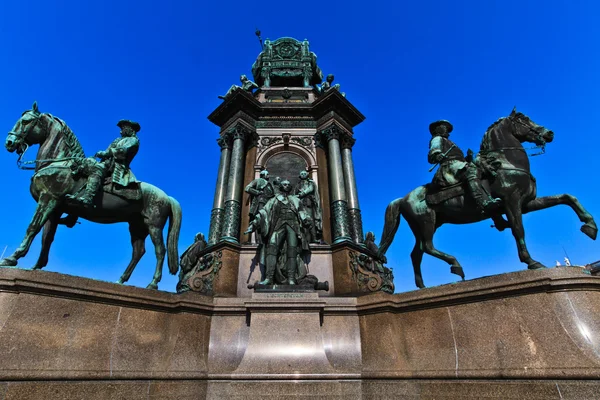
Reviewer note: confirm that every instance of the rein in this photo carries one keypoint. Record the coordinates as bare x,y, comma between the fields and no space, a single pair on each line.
24,165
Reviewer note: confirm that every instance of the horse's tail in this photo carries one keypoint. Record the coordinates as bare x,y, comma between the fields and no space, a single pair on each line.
393,213
173,236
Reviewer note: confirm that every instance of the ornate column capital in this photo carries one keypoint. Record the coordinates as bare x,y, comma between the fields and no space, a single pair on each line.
239,131
225,141
347,141
332,132
246,134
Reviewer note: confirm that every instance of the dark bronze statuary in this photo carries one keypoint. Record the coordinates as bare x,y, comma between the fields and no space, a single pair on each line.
307,191
328,85
106,191
247,85
466,190
281,223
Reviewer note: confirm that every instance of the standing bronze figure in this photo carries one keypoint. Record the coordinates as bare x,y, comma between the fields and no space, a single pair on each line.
60,171
307,191
280,224
504,164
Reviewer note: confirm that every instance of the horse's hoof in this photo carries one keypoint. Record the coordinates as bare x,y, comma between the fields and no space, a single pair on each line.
120,282
590,230
536,265
8,262
152,286
36,268
458,271
420,284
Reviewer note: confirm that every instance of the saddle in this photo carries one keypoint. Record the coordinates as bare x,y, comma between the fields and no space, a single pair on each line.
438,194
132,192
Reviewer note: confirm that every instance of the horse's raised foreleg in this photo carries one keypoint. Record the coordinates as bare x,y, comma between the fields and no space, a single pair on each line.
515,219
589,227
47,238
138,234
45,208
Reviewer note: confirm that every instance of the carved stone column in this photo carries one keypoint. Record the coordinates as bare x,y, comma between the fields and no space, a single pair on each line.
218,212
235,181
339,203
355,218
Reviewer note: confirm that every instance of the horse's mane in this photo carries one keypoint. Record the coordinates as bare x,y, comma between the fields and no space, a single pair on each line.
487,131
71,140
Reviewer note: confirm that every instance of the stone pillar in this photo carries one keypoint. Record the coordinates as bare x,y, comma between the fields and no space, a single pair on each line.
354,217
235,181
218,212
337,190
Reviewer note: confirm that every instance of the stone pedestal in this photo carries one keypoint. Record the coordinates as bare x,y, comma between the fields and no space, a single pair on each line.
529,334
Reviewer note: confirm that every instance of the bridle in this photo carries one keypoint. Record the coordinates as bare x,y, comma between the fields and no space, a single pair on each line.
537,134
538,137
25,165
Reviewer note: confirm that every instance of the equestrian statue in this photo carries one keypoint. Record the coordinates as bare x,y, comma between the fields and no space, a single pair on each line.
470,189
105,191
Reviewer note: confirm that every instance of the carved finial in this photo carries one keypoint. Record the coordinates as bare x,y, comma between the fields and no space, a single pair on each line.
257,33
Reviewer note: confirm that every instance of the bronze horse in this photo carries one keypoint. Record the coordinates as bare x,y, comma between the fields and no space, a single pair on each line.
513,184
54,179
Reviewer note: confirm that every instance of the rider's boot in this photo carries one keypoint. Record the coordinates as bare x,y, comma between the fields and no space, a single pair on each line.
292,263
92,186
484,201
271,262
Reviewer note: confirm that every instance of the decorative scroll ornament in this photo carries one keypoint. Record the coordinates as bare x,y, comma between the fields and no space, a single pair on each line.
370,275
306,141
203,275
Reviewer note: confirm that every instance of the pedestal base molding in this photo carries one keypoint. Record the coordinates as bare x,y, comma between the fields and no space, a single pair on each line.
529,334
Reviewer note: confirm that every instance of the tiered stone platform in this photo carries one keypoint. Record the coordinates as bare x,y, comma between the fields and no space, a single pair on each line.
524,335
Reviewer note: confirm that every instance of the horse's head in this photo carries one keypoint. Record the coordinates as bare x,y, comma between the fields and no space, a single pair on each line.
525,130
27,131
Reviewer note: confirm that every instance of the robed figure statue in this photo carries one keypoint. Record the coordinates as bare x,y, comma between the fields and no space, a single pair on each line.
280,224
307,191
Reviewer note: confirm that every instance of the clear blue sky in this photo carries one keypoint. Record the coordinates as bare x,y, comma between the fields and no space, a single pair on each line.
402,64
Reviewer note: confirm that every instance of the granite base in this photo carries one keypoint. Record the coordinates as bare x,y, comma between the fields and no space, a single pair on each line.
523,335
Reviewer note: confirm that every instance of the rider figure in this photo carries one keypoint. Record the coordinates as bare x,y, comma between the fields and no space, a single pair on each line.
115,160
453,166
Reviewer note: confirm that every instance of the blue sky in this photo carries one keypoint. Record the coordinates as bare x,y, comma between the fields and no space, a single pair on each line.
402,64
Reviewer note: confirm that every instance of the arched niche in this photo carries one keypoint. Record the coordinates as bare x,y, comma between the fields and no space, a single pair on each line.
286,161
286,165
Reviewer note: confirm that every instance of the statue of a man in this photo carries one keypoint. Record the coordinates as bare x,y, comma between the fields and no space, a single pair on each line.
190,256
114,160
277,185
307,191
370,243
327,85
247,85
260,191
453,168
280,225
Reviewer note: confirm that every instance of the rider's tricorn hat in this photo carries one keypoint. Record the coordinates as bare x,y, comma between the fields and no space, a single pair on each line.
133,125
435,124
